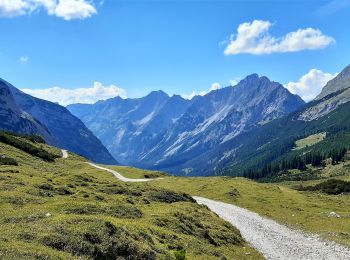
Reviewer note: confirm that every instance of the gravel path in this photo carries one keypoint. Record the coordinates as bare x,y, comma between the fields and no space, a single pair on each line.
64,154
273,240
121,177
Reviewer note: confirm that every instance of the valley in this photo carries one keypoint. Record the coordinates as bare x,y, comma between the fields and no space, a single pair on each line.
70,200
174,130
67,209
292,204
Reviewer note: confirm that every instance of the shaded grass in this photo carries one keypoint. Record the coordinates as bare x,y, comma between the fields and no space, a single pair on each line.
26,146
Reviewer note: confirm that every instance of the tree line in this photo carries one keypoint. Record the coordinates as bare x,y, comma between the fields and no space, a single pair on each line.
299,162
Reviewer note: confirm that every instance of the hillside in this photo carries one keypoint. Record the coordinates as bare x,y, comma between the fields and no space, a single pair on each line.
273,148
53,122
66,209
174,134
13,118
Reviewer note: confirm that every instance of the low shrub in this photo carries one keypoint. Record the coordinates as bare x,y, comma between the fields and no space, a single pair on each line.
332,187
63,191
102,240
125,211
26,147
168,196
180,254
7,161
118,211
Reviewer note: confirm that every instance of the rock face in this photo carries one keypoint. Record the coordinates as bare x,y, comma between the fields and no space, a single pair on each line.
335,93
130,128
340,82
14,119
174,134
22,113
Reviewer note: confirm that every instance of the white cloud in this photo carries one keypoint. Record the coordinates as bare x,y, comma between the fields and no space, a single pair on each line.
66,9
311,84
235,81
254,38
11,8
74,9
65,96
213,86
24,59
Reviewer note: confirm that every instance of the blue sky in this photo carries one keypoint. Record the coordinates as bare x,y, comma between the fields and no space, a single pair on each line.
134,47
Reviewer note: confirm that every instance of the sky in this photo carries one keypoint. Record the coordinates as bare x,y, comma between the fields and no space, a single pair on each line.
71,51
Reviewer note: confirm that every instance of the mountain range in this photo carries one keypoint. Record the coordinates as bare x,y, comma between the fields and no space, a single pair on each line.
273,144
227,131
179,135
22,113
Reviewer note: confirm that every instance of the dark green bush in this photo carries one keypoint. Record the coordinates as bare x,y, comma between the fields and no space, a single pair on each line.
7,161
32,138
180,254
125,211
332,187
63,191
103,240
119,211
26,147
168,196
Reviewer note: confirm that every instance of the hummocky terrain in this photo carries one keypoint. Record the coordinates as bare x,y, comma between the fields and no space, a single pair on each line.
63,208
22,113
57,206
178,135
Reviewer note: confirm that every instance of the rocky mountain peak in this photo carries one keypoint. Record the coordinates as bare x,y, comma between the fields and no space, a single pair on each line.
158,94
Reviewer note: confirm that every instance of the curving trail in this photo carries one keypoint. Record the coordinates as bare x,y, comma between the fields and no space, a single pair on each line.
273,240
121,177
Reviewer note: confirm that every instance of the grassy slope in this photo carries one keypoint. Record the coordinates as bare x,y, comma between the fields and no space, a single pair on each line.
136,173
69,210
307,211
310,140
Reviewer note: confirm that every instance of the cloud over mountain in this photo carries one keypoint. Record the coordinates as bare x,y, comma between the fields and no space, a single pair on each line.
254,38
214,86
65,96
310,84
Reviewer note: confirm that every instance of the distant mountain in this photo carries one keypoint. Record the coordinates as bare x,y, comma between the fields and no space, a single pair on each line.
274,142
131,127
29,115
14,119
175,134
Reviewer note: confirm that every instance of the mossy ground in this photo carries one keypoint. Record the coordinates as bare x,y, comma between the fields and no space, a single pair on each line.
305,210
308,211
309,140
69,210
135,173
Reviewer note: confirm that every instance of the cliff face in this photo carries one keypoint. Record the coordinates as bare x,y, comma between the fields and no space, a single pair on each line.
14,119
335,93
